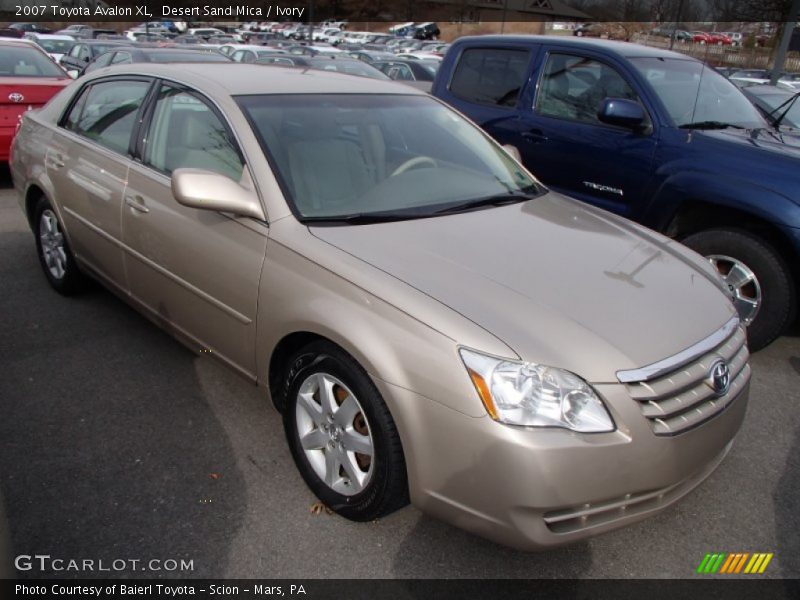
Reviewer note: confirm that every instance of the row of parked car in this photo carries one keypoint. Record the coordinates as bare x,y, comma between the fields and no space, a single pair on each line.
777,107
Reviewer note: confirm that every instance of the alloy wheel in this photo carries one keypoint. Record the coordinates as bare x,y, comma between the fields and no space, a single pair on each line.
52,241
334,433
742,285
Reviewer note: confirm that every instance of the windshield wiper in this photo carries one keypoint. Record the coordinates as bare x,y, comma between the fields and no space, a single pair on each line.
710,125
419,212
495,200
789,103
364,218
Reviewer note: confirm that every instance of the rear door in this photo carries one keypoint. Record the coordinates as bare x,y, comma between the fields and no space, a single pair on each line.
87,160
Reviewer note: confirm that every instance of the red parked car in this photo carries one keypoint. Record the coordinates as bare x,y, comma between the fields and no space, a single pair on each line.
700,37
28,79
720,39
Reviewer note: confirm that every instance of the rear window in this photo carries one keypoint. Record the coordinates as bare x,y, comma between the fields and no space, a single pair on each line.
27,62
490,75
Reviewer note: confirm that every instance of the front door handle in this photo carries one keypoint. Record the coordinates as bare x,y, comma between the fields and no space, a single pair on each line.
136,202
535,136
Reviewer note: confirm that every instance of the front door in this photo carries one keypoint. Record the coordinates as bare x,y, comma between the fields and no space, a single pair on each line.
570,149
197,270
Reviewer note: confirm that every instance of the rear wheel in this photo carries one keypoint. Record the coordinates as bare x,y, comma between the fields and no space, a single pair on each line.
758,280
55,255
341,434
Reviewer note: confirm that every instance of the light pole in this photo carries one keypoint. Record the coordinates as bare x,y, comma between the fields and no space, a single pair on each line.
783,46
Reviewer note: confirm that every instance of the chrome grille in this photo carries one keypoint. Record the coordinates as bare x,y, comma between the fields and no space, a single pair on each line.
683,399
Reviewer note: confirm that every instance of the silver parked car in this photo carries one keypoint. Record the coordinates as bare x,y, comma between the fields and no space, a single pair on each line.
432,322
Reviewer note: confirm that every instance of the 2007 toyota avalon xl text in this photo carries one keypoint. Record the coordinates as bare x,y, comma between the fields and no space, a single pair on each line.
433,323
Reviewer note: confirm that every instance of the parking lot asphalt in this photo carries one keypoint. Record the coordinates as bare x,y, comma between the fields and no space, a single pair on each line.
119,443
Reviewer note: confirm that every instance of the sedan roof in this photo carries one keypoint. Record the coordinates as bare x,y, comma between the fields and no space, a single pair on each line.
234,79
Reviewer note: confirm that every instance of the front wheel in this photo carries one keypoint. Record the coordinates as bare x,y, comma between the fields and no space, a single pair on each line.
341,435
758,280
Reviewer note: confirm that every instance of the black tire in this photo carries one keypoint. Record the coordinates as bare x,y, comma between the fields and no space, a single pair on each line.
386,490
774,277
72,280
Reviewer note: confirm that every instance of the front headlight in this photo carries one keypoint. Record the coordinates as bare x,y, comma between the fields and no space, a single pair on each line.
534,395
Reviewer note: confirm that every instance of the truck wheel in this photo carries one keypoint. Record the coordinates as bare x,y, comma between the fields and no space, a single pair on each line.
759,281
341,434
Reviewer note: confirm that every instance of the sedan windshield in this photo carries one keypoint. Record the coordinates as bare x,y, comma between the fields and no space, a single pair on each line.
696,95
364,158
27,62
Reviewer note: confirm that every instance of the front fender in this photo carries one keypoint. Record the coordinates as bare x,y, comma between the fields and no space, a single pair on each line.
732,192
316,290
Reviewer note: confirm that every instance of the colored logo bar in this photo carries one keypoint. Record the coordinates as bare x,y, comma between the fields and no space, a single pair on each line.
734,563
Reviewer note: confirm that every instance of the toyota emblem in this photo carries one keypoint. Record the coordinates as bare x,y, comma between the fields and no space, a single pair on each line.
719,377
16,97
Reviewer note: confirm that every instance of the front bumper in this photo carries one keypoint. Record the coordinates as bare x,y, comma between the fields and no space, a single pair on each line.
537,488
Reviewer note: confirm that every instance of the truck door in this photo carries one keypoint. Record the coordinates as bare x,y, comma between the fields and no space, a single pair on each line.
564,144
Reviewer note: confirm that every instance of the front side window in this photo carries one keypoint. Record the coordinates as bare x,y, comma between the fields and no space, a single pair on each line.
574,88
186,133
380,156
490,75
106,112
399,72
121,58
101,61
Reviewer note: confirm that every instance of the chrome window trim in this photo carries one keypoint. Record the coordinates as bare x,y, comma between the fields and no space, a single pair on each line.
683,357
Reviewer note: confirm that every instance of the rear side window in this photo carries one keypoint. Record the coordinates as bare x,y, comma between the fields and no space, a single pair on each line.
106,113
490,75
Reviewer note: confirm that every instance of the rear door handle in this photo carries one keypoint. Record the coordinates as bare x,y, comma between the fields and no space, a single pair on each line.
57,161
136,202
535,136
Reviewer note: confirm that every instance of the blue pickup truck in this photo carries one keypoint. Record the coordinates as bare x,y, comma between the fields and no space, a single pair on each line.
652,135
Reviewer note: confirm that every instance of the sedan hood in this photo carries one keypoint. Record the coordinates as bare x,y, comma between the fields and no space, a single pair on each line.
559,283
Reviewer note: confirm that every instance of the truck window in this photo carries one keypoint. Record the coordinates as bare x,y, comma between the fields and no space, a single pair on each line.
574,87
490,75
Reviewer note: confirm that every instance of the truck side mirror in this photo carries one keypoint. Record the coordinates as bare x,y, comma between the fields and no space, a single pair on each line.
622,112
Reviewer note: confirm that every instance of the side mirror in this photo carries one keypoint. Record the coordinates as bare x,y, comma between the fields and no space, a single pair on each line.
622,112
513,151
206,190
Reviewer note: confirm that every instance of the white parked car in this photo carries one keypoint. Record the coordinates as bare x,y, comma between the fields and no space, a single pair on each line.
326,34
205,32
55,45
